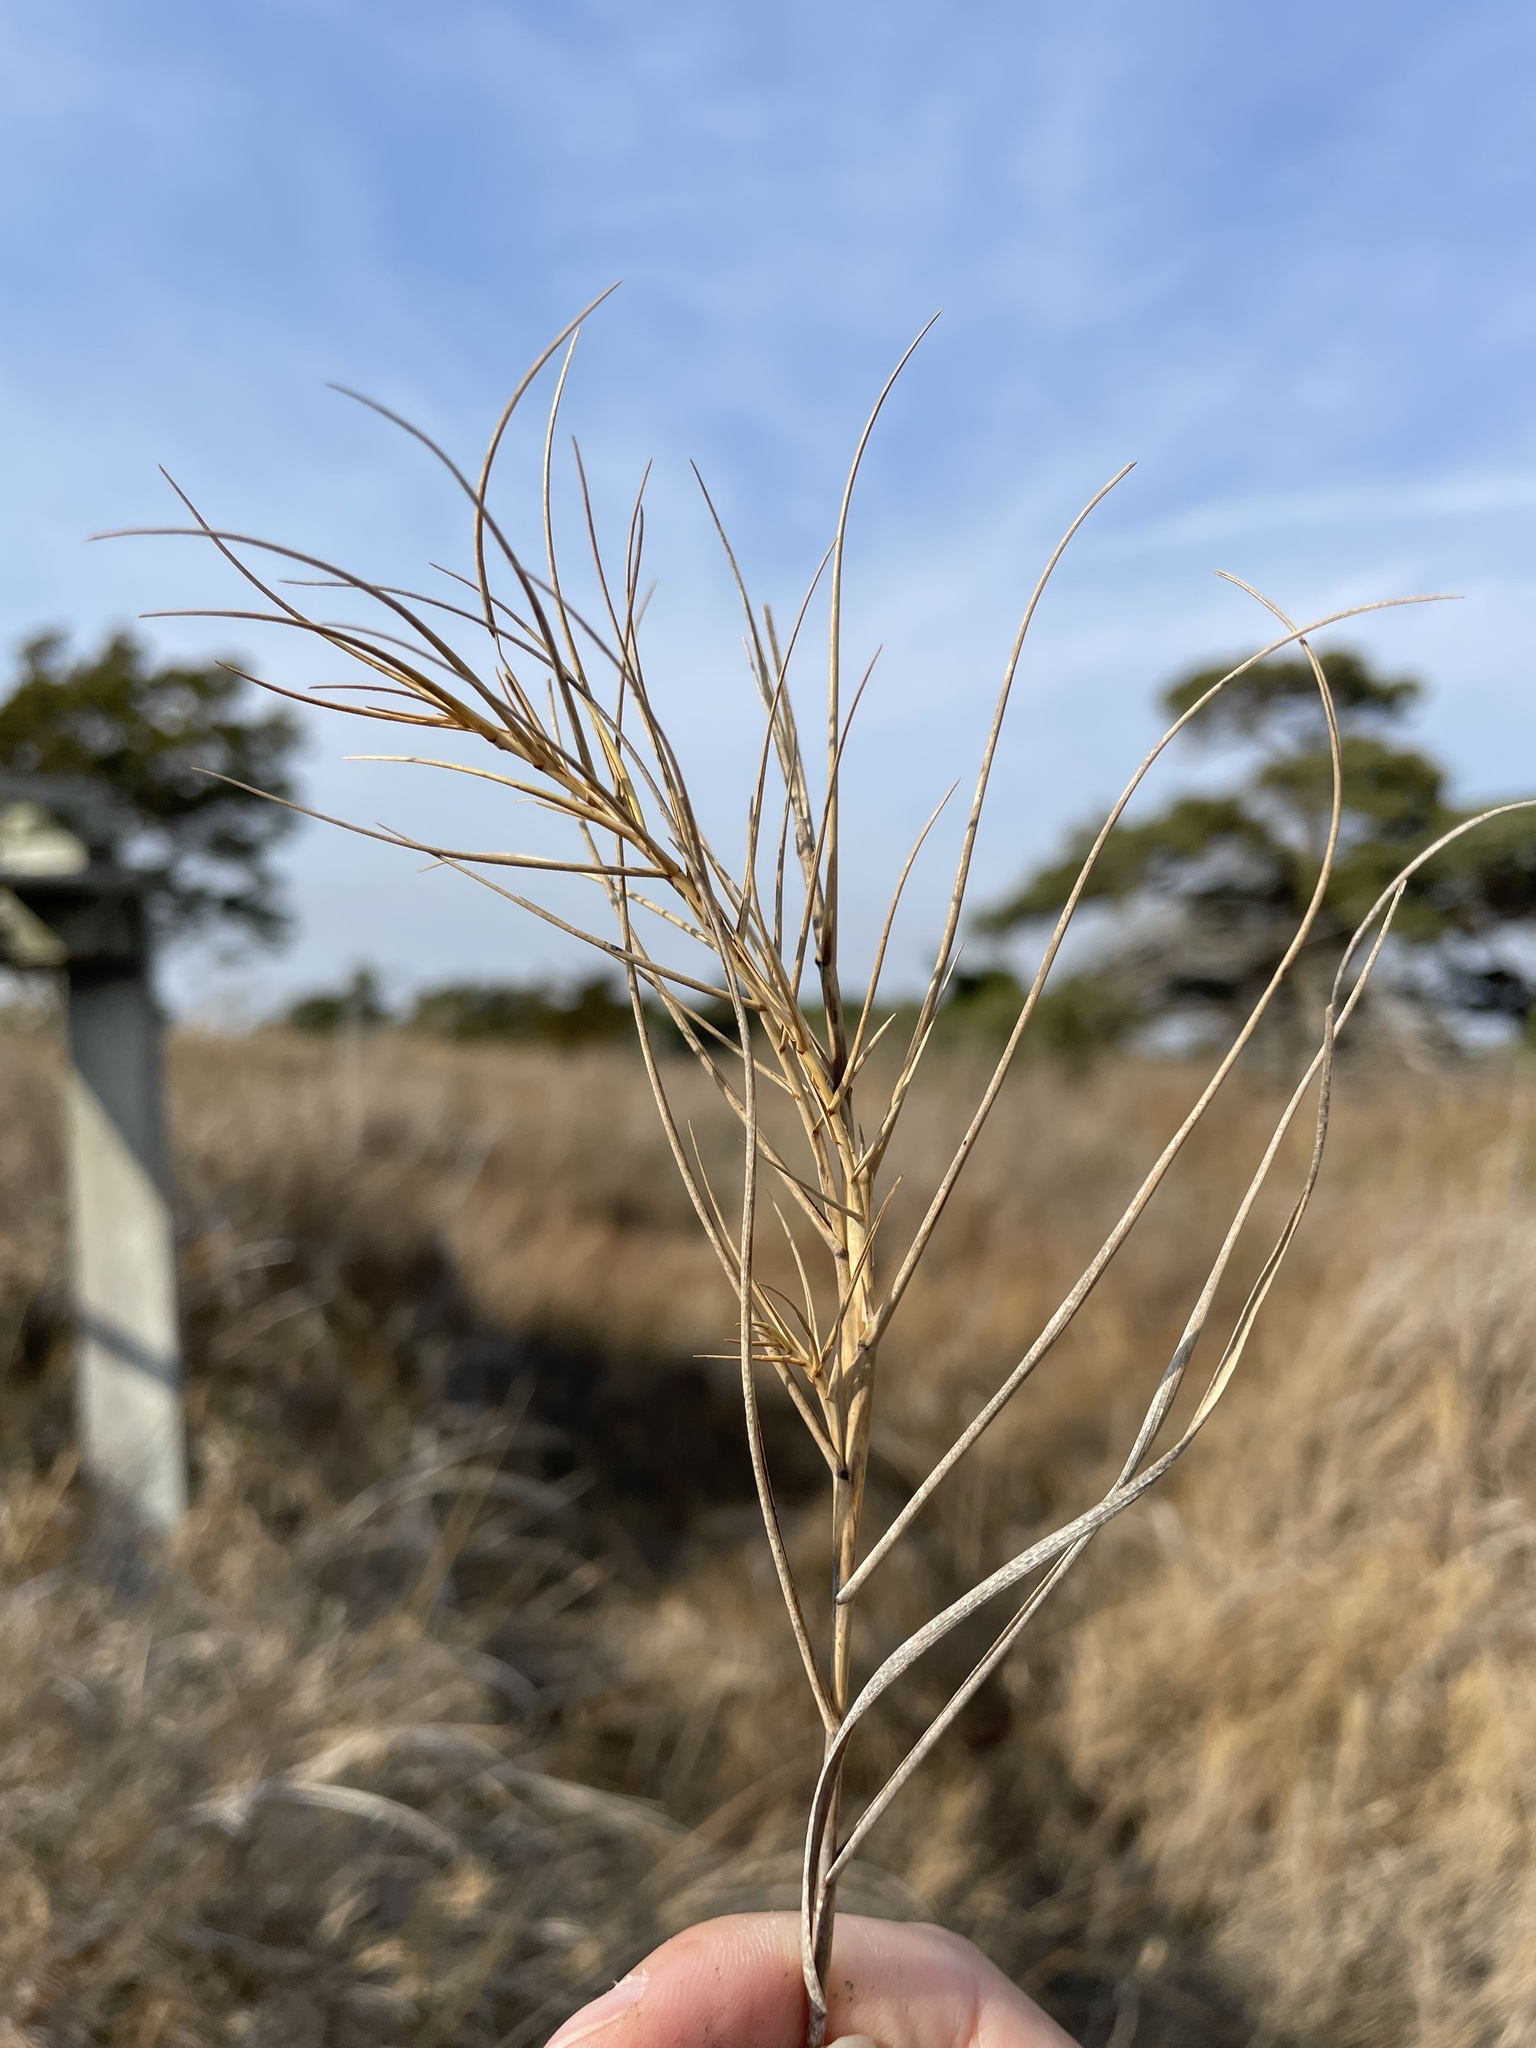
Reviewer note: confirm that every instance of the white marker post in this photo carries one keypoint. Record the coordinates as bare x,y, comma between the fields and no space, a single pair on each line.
61,907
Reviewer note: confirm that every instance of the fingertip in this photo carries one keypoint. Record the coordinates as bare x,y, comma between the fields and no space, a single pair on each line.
602,2011
736,1983
726,1981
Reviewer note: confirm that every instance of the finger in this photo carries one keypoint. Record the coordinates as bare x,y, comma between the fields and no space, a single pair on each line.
736,1983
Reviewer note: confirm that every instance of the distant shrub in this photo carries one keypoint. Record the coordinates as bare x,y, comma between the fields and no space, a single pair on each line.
360,1001
1075,1020
524,1013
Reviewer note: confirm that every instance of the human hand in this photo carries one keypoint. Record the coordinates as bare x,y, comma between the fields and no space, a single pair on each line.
736,1983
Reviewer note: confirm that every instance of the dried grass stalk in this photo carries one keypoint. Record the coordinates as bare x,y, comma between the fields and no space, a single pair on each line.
566,705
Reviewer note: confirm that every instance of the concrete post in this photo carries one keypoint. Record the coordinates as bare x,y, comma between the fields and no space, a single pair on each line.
66,902
123,1248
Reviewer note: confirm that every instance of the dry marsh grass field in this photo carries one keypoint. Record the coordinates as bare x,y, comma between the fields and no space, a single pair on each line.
467,1678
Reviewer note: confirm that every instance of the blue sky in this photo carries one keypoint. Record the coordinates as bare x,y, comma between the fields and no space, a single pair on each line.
1281,257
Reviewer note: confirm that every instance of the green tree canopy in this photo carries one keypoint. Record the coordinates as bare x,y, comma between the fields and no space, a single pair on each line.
1216,884
159,737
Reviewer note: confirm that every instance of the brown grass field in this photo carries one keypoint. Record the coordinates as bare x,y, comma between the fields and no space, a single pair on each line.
467,1680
